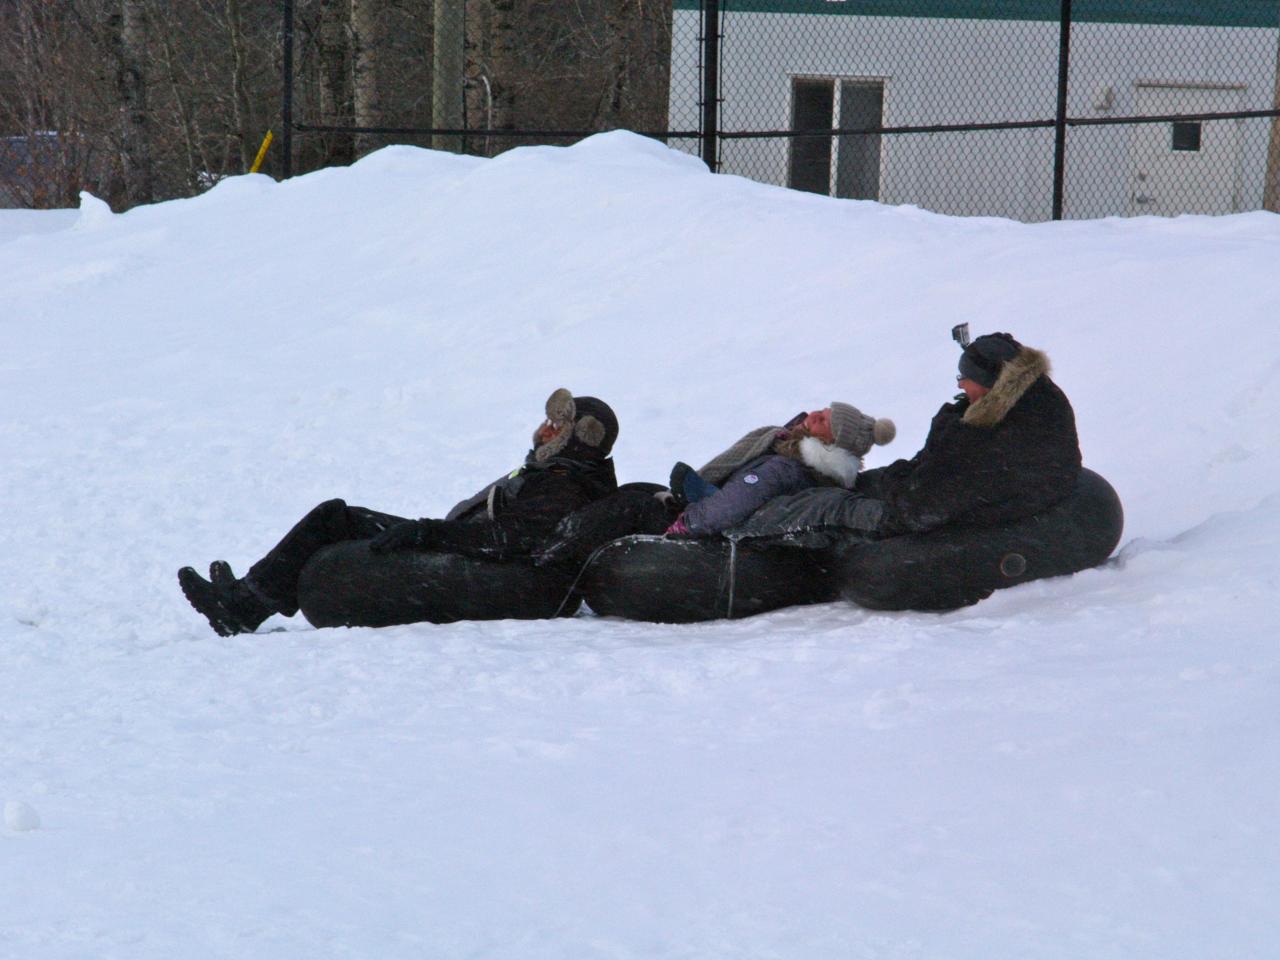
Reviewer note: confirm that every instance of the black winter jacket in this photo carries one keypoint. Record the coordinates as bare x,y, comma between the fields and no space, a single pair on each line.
516,516
1010,455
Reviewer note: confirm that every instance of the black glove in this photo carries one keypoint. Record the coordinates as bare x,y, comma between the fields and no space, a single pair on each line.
404,536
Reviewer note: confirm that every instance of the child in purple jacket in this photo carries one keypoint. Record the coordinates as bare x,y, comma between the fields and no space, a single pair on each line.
825,446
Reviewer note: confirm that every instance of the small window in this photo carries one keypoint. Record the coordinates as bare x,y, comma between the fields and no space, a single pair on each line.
1186,135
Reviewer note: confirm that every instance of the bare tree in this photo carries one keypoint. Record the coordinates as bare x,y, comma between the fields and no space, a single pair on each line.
127,36
637,65
173,77
53,108
334,68
242,110
366,37
447,71
585,64
214,91
148,99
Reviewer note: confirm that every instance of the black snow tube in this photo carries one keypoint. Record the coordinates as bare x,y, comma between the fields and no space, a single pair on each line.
688,580
346,585
667,580
956,566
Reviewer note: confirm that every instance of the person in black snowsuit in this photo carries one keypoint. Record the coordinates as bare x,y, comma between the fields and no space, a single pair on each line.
510,519
1004,450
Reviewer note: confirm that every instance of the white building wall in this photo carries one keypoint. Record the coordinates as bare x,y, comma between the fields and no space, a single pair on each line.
956,71
1100,168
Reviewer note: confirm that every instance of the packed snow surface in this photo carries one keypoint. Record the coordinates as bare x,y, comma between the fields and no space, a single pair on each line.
1082,767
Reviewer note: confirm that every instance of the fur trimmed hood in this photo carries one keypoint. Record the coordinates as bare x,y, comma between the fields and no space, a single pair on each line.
832,462
1017,374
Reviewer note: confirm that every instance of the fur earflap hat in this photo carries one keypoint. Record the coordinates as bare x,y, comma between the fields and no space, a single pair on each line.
854,431
585,426
982,360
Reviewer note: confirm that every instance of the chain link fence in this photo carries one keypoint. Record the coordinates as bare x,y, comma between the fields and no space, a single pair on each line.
362,73
1029,109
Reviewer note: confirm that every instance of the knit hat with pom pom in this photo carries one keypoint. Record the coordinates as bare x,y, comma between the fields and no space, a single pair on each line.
854,431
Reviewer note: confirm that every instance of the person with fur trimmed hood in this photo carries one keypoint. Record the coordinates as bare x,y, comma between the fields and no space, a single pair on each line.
824,447
512,518
1005,449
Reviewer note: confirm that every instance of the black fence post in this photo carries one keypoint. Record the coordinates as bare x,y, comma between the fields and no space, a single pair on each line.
1060,121
711,83
286,107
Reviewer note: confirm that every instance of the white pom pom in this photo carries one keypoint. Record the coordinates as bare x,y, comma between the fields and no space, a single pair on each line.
883,431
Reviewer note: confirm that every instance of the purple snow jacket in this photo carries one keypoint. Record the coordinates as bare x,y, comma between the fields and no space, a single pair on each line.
747,489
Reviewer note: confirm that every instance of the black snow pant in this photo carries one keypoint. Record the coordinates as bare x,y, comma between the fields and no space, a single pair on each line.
275,576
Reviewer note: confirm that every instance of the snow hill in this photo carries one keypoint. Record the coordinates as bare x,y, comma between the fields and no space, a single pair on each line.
1085,767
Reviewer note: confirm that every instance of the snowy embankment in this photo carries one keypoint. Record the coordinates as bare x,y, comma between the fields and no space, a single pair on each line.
1085,767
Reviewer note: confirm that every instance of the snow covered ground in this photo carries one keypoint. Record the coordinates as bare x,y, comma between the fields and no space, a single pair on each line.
1086,767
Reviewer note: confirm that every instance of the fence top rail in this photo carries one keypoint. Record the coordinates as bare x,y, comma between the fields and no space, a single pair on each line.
791,134
1189,13
485,131
998,125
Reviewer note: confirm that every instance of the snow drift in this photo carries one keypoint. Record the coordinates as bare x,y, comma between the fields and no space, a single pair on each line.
1076,767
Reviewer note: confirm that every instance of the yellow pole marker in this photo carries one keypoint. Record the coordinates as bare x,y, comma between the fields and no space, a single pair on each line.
262,152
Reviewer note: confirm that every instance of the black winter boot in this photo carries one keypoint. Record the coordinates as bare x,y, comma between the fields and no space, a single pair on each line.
227,603
221,574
